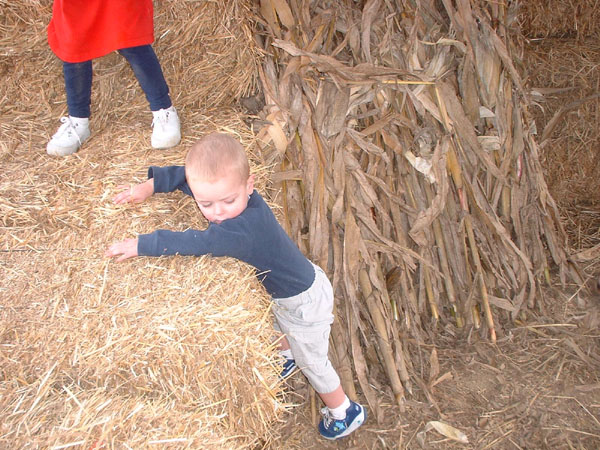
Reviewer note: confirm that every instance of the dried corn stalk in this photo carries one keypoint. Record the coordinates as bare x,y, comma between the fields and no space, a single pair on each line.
408,170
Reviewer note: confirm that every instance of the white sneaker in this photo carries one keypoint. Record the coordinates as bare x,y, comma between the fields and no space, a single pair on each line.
69,137
166,128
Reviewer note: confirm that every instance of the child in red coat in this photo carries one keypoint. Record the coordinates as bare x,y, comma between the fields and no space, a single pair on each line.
80,31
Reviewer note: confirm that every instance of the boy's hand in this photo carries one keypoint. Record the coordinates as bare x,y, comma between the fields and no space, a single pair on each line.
134,193
123,250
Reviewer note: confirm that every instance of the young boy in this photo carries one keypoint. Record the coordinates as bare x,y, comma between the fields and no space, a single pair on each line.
241,225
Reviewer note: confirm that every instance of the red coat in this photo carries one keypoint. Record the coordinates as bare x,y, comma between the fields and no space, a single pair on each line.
81,30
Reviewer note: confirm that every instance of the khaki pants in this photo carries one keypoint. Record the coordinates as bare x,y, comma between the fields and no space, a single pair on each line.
306,320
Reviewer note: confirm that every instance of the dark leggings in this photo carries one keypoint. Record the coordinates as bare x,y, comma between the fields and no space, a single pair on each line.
145,65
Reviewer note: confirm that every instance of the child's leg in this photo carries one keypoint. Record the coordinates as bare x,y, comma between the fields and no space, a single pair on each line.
78,86
166,131
334,399
148,72
341,416
284,344
75,128
288,364
306,322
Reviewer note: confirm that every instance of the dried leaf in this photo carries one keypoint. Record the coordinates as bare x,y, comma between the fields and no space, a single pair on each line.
447,430
426,218
276,133
369,15
332,109
284,13
268,12
434,366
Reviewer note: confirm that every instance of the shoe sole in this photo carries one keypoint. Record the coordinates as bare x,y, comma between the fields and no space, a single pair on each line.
61,151
357,422
161,145
66,151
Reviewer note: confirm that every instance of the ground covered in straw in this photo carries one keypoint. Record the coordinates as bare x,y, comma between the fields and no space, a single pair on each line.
539,387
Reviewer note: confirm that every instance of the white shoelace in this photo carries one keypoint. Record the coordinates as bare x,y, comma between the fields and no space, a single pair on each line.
327,417
161,117
67,127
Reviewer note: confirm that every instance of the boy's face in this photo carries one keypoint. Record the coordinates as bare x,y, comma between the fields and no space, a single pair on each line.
223,198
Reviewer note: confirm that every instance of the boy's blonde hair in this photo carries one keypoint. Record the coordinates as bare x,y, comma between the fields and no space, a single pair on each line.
216,155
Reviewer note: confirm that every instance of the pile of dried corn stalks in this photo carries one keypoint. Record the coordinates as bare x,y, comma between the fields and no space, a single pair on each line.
408,169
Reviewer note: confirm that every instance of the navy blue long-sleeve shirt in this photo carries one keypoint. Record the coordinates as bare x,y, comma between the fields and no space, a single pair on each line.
254,237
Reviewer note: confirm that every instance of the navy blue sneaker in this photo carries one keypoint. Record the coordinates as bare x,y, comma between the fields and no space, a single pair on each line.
332,429
289,366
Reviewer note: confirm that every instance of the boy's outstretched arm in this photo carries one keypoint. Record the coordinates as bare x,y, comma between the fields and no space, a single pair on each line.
169,179
134,193
123,250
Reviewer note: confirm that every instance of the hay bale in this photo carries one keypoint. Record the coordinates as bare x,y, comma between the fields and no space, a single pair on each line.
559,18
564,77
163,353
170,350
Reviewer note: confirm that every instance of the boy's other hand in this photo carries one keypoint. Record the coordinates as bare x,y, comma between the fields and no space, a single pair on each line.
123,250
134,193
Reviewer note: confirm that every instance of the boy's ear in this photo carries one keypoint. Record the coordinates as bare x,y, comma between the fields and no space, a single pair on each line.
250,184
